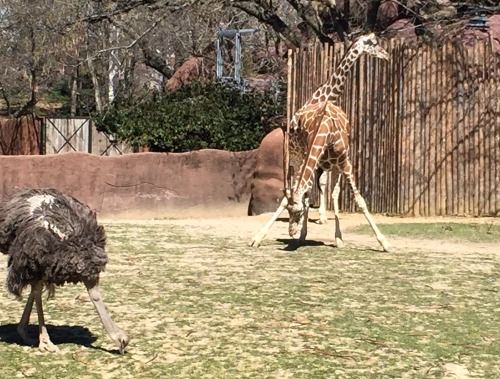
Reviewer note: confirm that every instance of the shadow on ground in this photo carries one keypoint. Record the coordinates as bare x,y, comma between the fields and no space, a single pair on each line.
60,334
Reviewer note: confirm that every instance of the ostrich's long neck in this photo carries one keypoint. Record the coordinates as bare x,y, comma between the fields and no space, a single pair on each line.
333,88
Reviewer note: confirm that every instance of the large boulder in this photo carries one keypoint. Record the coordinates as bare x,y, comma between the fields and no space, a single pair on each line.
267,183
469,36
402,28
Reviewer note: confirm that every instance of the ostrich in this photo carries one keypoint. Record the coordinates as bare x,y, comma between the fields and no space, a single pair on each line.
51,239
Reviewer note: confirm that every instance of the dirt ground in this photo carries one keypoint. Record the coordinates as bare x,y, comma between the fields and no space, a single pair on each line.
198,303
235,225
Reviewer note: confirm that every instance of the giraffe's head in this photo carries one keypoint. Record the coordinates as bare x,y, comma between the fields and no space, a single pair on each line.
368,44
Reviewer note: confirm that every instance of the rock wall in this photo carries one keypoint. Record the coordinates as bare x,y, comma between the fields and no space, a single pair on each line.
267,183
139,185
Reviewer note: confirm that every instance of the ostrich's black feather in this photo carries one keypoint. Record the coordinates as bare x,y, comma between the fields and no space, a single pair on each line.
50,237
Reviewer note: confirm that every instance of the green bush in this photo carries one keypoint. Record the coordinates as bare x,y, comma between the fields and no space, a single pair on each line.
196,116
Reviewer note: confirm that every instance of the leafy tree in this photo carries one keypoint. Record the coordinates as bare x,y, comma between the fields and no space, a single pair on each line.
196,116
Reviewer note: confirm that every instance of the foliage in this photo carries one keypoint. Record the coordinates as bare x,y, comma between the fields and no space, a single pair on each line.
196,116
104,49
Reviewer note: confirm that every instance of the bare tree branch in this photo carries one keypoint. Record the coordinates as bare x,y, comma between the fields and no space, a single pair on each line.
268,16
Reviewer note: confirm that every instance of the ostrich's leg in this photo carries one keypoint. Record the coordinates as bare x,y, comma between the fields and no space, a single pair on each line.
263,232
118,335
45,342
22,328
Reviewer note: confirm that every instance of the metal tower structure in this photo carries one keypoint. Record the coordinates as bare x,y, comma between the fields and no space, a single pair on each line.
236,34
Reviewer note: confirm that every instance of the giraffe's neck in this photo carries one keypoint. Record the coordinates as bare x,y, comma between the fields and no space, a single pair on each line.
333,88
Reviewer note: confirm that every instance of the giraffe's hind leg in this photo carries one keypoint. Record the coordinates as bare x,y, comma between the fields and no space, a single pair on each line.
322,182
360,202
335,196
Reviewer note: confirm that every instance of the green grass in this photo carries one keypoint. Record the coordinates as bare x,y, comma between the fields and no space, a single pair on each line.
480,232
198,306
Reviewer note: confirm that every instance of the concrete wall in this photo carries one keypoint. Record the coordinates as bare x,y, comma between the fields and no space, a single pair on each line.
139,185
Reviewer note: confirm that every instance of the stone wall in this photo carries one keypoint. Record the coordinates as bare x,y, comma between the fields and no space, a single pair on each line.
139,185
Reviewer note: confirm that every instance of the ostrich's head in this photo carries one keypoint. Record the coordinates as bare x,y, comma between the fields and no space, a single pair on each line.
368,44
296,213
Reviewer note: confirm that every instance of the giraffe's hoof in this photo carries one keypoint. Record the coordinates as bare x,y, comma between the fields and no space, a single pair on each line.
387,246
257,239
254,243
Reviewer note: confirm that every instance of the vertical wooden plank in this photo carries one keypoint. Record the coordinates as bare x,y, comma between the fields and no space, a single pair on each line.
433,125
476,126
496,144
482,122
359,125
459,176
424,130
289,90
408,129
442,139
493,138
386,84
449,84
417,142
397,114
485,132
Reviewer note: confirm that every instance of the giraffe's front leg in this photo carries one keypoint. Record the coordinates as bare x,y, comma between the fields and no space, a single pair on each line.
263,232
305,219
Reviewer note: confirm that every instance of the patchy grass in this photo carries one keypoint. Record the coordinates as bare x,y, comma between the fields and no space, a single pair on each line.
202,306
473,232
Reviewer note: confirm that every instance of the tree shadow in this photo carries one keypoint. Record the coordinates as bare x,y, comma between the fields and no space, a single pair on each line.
59,334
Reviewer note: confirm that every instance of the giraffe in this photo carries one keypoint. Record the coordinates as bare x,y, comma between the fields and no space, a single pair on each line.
330,92
319,142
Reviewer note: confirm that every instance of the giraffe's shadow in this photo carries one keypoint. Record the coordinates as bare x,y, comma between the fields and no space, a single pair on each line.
293,244
59,334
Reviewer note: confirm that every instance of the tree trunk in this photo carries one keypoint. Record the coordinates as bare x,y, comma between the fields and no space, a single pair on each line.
371,14
74,91
95,83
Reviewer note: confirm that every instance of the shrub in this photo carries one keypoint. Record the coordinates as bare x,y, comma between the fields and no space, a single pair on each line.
196,116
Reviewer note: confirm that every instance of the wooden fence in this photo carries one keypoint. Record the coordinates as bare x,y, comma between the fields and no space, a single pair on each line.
77,134
425,126
20,136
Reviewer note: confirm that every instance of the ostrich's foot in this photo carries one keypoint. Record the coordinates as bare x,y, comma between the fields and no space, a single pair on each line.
338,242
46,344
